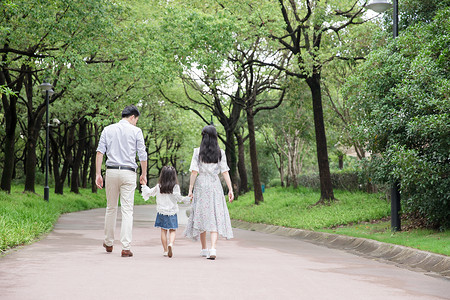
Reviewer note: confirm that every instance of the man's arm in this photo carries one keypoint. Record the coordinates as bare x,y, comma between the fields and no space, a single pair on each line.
143,178
142,154
98,170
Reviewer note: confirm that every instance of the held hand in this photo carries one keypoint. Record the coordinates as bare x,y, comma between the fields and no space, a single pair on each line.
230,196
190,195
99,181
143,179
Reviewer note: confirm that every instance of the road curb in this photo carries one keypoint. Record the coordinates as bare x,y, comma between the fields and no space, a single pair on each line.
405,257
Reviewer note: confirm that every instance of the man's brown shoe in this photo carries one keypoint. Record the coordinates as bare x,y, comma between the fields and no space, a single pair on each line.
108,248
127,253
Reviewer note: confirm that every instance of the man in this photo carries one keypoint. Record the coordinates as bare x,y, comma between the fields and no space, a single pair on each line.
121,141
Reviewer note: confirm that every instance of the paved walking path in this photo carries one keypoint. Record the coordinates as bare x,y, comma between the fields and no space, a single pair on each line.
70,263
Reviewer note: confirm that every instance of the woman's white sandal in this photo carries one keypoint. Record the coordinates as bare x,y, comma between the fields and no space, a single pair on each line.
204,253
212,254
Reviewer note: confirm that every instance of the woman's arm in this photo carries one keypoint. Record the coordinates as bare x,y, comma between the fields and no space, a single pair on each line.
191,182
226,176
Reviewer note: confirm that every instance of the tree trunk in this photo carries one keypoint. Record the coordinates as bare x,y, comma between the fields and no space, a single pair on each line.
75,182
9,143
289,168
293,162
86,159
30,162
56,161
94,142
341,161
86,164
326,188
34,121
10,109
253,157
281,170
68,158
243,187
230,149
33,131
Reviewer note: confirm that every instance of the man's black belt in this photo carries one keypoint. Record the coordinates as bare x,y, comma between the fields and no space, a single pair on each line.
121,168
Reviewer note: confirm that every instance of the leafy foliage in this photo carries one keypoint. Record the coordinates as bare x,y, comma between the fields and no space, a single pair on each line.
412,12
402,92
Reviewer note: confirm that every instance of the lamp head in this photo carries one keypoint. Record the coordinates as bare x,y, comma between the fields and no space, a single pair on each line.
45,86
379,6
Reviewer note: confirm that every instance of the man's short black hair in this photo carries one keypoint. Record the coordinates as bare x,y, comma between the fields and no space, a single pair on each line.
129,111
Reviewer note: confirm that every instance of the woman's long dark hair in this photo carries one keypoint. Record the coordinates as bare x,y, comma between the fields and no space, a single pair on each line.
167,180
209,147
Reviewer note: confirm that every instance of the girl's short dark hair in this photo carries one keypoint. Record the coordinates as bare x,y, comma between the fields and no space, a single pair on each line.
209,147
130,110
167,180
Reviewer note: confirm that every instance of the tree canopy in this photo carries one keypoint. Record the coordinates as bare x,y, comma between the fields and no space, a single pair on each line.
402,93
278,79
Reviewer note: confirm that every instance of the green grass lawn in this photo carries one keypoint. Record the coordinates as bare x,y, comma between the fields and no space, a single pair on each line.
423,239
24,217
295,208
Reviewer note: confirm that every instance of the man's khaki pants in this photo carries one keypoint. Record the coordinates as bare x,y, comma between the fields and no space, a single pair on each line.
123,183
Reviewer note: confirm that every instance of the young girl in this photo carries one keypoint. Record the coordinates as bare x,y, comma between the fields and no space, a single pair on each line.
209,208
167,193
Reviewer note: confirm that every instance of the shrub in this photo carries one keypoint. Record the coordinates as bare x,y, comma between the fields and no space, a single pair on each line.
274,182
344,180
402,100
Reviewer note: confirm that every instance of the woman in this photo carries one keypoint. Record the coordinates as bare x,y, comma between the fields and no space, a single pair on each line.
209,208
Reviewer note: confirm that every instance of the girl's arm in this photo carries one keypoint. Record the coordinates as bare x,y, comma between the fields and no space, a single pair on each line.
149,192
191,183
226,176
177,194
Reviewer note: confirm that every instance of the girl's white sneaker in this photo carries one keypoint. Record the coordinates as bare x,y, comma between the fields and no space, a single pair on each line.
204,253
212,254
165,253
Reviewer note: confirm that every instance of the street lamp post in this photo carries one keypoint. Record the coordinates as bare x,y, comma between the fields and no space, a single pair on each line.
46,88
381,6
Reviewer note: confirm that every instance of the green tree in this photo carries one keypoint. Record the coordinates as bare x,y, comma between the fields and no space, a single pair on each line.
220,67
40,41
310,32
403,93
290,136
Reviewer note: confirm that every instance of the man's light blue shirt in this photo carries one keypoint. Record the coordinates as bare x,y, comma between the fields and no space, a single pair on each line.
120,142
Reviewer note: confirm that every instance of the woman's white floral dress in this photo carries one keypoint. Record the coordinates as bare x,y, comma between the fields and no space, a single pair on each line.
209,208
